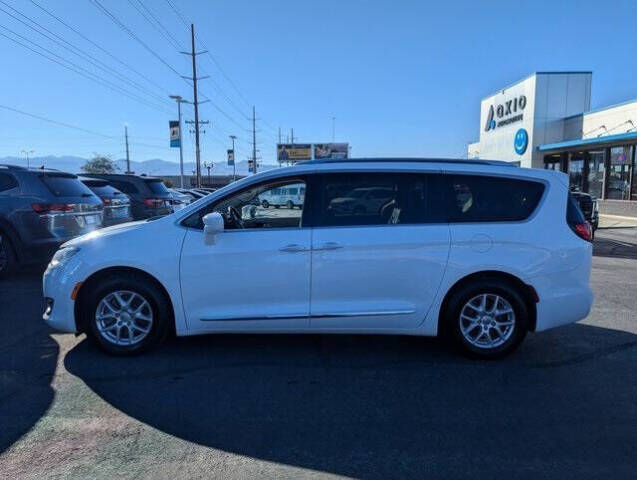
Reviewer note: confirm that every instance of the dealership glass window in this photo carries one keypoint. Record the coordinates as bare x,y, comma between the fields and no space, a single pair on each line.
552,162
618,184
269,205
595,173
576,174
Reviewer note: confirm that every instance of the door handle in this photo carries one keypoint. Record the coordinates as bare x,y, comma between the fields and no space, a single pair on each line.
293,247
329,246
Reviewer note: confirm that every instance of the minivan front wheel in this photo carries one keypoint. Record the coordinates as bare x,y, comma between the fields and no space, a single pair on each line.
126,315
488,318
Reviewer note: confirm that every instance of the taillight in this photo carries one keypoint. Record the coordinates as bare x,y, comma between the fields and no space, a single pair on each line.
583,230
154,202
42,208
106,200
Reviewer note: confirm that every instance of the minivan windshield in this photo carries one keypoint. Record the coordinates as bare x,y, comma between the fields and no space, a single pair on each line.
65,185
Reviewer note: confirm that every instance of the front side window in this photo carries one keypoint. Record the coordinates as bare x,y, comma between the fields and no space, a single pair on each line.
477,198
356,199
247,209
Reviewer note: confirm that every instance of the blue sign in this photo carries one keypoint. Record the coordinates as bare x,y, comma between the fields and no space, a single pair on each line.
521,141
175,133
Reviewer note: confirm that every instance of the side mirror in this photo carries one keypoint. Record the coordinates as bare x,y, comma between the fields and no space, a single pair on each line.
212,225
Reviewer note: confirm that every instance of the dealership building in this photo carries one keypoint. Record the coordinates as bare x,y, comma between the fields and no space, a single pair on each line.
545,121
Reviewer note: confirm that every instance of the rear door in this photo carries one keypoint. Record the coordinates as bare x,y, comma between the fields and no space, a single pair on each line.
376,263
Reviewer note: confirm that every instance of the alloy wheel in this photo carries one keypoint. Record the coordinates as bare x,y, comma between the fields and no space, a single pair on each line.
124,318
487,321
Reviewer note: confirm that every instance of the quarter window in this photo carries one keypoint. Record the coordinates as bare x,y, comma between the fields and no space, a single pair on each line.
491,199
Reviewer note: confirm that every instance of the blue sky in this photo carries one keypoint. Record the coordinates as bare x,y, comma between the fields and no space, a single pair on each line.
402,78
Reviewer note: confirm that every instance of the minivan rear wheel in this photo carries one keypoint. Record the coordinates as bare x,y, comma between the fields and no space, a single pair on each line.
487,318
126,315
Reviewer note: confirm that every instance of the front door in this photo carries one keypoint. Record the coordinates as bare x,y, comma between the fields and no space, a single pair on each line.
257,272
380,250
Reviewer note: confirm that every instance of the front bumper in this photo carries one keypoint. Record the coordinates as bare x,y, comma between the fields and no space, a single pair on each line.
59,310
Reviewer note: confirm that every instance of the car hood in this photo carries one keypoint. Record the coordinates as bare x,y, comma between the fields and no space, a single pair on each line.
104,233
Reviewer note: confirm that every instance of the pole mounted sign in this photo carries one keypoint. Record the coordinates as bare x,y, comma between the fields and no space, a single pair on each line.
175,133
230,158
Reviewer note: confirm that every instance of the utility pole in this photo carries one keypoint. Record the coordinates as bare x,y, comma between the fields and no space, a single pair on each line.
291,135
193,53
208,166
234,158
279,134
254,140
179,101
127,155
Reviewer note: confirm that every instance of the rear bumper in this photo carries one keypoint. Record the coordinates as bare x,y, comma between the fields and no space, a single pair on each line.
568,305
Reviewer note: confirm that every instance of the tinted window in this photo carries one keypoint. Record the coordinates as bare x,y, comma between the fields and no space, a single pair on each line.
157,186
246,209
105,190
7,182
125,187
62,185
574,214
376,199
475,198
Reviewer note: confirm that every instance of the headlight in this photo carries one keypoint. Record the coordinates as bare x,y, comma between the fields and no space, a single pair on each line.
62,256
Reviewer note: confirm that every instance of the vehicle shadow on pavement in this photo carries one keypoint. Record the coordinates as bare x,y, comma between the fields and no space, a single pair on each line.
28,357
388,406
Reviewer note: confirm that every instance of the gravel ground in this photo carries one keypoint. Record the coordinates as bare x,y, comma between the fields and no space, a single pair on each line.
563,406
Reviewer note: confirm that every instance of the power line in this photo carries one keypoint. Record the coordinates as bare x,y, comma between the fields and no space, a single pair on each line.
74,127
82,54
157,25
77,69
81,35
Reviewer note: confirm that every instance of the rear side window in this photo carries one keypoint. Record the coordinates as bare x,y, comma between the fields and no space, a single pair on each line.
157,186
477,198
62,185
356,199
7,182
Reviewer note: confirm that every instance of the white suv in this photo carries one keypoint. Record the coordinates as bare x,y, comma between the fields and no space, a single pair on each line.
479,251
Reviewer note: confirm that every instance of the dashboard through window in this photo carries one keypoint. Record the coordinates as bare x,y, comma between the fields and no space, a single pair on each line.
276,204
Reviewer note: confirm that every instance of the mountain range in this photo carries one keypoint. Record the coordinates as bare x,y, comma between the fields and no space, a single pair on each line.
155,166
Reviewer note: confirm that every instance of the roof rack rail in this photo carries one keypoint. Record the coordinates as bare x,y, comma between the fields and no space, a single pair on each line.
500,163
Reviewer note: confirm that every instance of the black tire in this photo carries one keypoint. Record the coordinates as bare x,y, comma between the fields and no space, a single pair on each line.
159,304
289,204
265,204
460,298
8,260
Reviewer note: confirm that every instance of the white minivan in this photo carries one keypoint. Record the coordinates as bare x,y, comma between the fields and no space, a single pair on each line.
480,252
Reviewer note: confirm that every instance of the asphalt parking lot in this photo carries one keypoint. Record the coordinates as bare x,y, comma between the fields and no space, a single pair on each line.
563,406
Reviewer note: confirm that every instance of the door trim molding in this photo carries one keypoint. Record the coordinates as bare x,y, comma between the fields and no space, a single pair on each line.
311,316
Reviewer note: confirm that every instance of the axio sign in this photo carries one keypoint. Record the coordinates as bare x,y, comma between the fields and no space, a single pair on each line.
506,113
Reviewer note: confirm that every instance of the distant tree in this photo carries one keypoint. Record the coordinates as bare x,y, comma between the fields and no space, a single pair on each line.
168,182
100,164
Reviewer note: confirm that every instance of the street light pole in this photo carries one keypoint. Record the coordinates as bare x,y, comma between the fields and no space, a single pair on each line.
234,157
26,153
179,101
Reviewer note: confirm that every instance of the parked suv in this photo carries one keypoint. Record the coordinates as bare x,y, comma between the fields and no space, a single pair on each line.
148,196
116,204
477,251
40,210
